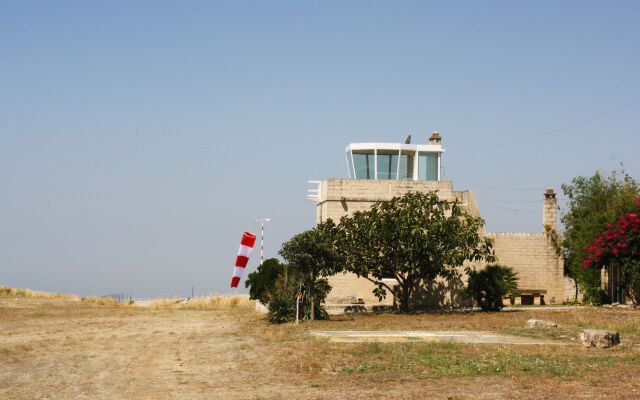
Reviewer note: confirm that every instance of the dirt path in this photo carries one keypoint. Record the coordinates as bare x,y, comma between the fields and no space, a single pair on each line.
52,349
98,353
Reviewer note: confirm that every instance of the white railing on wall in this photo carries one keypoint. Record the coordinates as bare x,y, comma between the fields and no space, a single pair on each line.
315,193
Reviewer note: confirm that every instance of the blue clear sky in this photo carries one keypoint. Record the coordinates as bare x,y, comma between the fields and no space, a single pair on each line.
138,140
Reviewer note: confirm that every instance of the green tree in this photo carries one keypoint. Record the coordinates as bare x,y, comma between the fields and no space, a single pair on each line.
488,286
415,239
270,279
315,256
593,203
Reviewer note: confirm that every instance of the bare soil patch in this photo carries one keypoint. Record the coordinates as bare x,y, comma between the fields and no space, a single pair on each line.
60,349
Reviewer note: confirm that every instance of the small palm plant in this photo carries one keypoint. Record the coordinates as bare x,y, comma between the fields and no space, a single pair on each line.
488,286
282,309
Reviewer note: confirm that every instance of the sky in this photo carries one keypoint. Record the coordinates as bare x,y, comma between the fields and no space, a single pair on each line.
138,140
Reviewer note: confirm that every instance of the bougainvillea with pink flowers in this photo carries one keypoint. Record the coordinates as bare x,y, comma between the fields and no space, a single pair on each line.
620,246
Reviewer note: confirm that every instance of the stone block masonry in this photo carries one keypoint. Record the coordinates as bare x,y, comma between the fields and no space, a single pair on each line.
340,197
531,255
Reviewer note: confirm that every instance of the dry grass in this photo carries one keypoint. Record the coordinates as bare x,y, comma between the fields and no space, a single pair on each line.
106,301
173,350
205,303
531,365
214,302
6,291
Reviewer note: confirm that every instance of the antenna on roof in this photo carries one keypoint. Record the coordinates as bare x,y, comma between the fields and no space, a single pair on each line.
408,140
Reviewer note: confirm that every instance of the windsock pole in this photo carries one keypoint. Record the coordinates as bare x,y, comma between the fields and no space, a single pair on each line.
262,221
246,245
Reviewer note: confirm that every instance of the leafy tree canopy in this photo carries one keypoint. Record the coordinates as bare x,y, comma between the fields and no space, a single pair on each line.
593,203
619,247
314,254
414,239
267,280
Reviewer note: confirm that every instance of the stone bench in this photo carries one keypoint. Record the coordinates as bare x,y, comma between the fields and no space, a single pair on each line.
528,297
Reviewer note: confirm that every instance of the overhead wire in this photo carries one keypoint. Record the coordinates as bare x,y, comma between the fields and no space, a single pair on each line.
552,131
510,201
512,209
502,187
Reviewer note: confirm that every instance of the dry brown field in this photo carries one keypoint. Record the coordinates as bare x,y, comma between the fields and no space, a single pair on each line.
57,348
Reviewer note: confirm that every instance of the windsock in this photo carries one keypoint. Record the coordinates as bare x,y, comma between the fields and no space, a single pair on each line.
246,245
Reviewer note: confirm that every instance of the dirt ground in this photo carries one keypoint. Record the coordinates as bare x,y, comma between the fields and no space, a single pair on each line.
58,349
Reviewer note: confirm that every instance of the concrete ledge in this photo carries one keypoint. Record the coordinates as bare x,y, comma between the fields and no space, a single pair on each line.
479,337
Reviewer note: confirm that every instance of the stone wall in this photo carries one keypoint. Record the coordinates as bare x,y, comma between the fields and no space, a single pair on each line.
340,197
531,255
347,288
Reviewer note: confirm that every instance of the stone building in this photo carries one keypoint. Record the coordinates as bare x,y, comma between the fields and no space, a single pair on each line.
381,171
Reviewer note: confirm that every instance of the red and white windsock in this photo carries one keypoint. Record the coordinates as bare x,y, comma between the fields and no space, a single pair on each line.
246,245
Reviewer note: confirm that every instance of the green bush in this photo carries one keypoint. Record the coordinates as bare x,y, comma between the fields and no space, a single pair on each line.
592,292
282,309
488,286
278,285
267,280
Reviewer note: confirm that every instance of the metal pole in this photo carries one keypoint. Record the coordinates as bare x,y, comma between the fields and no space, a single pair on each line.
262,221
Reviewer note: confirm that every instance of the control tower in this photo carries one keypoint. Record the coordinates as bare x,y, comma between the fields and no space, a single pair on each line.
396,161
381,171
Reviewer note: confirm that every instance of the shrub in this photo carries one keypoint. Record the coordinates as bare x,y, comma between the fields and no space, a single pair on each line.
280,284
592,292
263,283
618,247
593,203
315,255
282,309
488,286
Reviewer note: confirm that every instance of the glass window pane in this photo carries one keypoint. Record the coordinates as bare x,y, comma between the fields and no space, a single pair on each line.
387,165
363,162
406,166
432,167
371,166
350,166
422,166
428,166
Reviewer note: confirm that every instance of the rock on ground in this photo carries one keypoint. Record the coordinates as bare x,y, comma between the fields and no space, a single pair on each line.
532,323
599,338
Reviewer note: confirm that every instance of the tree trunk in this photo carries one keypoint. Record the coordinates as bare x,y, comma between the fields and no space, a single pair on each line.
633,291
312,297
313,308
405,297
